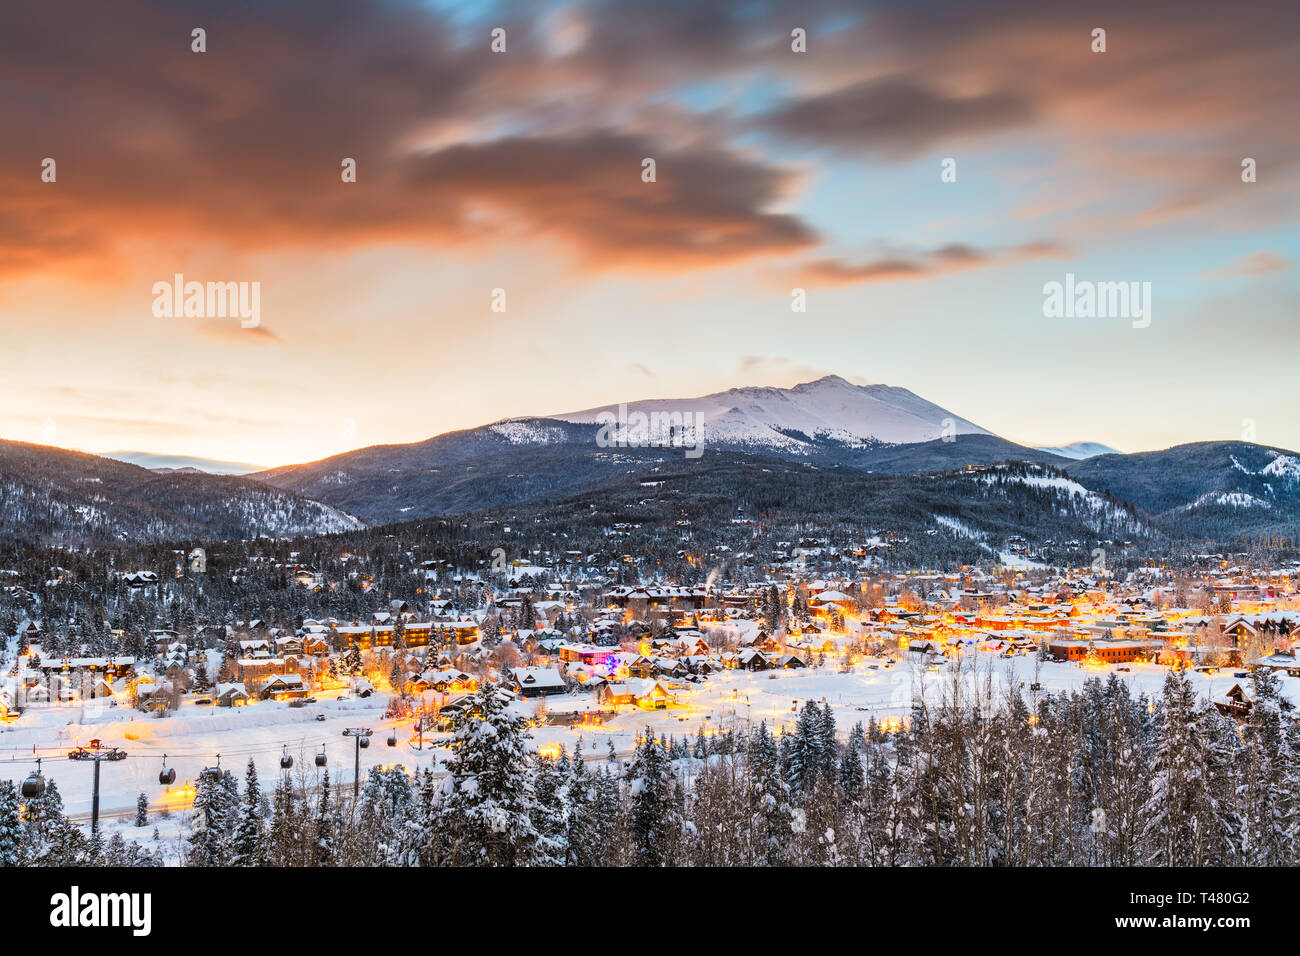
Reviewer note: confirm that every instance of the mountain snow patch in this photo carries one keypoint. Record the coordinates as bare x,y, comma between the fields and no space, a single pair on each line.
523,431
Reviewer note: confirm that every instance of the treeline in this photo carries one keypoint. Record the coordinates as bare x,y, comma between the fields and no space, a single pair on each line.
1095,777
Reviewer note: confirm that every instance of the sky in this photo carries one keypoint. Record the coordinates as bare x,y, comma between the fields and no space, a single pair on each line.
522,171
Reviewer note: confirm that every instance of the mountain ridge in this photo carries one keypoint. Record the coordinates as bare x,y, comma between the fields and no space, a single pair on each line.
829,426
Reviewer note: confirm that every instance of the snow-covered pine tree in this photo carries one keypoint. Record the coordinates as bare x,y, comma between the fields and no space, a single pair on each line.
1178,792
215,805
10,825
852,777
1219,822
324,850
580,834
488,815
552,816
1264,778
248,847
806,758
352,661
651,816
770,812
142,810
284,840
828,746
605,842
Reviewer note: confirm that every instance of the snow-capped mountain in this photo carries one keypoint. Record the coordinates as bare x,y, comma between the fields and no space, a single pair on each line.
1078,450
798,420
851,438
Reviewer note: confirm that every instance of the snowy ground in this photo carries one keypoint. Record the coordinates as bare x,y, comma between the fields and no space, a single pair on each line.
736,699
194,736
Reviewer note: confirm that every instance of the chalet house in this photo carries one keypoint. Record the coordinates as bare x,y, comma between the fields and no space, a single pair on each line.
829,602
256,668
652,694
283,687
1240,630
537,681
790,661
752,659
258,647
641,666
641,599
702,664
754,638
643,692
231,695
151,696
449,681
317,645
670,667
291,644
740,600
691,645
589,654
1280,662
1236,702
549,645
111,667
416,684
663,645
163,639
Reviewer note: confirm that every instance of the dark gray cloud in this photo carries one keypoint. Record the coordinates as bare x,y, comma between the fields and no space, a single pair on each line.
896,116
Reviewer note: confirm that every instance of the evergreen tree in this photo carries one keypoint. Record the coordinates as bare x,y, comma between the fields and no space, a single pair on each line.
552,819
579,837
488,815
250,833
1176,808
323,845
215,806
142,810
1266,778
770,813
10,825
651,816
352,661
284,839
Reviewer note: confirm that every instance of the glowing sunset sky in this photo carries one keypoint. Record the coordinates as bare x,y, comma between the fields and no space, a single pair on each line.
522,171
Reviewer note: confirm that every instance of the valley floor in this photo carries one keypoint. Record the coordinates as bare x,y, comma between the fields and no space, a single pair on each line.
195,737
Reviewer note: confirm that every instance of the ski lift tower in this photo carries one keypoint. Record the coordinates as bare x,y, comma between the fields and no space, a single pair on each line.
362,736
97,752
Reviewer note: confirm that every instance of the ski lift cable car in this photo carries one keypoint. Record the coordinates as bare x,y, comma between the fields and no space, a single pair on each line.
34,785
320,757
286,762
168,774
